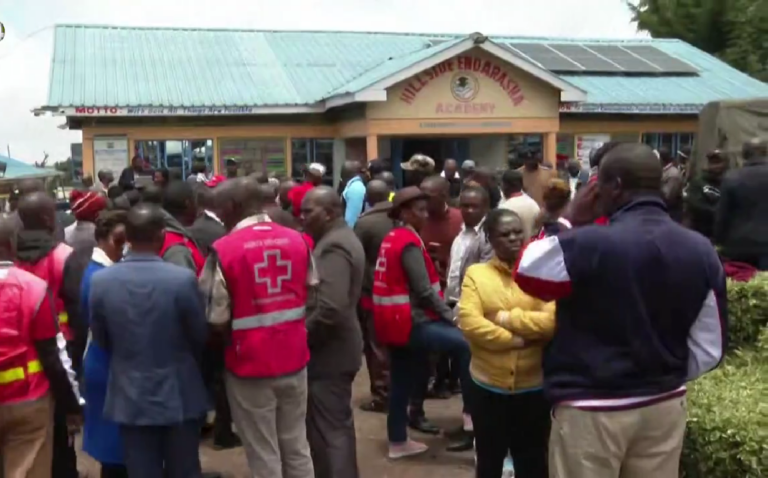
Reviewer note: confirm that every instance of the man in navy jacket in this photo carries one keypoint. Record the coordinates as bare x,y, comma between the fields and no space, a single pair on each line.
149,315
641,310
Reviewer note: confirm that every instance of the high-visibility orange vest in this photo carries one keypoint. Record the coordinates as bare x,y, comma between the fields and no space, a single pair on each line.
391,299
21,374
265,266
51,269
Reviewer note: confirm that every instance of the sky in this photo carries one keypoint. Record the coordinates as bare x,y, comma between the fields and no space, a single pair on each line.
25,52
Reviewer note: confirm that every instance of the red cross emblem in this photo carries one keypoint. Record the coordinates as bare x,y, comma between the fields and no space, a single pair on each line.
381,268
273,271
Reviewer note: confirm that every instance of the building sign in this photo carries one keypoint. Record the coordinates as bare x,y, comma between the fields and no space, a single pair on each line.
153,111
619,108
110,153
586,143
465,74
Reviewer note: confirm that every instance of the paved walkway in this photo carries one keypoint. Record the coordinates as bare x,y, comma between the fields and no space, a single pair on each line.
371,447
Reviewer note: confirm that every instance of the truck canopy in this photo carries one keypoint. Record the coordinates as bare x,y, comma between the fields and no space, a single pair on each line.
727,125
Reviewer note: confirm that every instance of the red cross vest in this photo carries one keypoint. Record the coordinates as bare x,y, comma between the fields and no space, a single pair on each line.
175,239
265,266
51,269
391,299
21,374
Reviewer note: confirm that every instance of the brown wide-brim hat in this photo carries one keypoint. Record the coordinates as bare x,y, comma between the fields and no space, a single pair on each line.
403,197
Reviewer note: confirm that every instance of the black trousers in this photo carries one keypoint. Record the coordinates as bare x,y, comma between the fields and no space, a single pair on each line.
331,427
64,463
113,471
518,424
162,451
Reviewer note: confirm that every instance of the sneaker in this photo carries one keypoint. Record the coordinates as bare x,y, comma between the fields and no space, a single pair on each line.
509,468
406,449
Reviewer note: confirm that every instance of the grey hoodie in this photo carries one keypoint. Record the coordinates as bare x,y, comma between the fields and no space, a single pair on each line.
178,254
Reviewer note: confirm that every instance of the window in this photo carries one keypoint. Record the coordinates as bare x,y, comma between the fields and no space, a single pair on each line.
176,155
307,150
254,155
521,144
673,142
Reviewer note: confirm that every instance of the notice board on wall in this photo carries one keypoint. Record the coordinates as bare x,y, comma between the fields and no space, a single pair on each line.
585,143
110,153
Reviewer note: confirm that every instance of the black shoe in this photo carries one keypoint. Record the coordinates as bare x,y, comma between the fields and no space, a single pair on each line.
424,426
374,406
454,388
226,441
465,442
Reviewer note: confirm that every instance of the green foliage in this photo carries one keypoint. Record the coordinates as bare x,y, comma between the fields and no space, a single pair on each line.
747,310
727,434
733,30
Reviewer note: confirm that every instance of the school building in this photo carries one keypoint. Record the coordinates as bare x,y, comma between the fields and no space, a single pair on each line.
277,100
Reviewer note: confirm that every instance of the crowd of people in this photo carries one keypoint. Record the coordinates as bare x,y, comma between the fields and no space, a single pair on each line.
551,301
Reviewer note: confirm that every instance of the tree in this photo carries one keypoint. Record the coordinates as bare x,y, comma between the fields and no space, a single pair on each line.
733,30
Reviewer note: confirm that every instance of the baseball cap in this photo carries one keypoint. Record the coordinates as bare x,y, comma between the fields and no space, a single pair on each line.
229,161
468,164
419,162
316,168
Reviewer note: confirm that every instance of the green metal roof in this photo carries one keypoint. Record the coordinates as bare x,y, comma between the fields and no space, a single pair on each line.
178,67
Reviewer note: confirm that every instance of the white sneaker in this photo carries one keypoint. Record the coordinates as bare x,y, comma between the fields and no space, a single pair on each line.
406,449
509,468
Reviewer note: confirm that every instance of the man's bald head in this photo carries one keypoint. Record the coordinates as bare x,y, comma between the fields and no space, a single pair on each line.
8,231
325,197
37,212
387,177
320,210
31,185
144,228
755,149
628,170
377,191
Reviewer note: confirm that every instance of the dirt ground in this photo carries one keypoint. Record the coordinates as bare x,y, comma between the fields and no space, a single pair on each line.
371,446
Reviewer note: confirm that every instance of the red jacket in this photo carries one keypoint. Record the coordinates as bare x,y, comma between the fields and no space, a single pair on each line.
296,195
391,299
21,373
265,267
51,270
175,239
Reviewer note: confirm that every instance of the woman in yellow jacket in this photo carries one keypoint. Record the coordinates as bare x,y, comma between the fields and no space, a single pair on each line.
506,330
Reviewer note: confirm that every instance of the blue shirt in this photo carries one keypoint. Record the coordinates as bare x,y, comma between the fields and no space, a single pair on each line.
354,197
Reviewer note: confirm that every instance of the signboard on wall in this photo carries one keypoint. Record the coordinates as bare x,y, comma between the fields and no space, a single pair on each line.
585,143
465,74
110,153
469,86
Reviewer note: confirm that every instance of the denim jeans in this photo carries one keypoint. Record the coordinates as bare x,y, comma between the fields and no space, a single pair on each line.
409,368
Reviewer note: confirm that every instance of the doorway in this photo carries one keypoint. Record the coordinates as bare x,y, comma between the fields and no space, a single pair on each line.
432,147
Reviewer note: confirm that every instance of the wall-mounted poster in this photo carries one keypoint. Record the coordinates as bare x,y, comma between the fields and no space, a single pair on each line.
110,153
585,143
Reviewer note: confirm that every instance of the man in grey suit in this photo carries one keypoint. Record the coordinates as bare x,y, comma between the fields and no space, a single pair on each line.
150,317
335,338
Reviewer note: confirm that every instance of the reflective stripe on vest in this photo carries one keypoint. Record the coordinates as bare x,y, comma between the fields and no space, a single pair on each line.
399,299
268,319
17,373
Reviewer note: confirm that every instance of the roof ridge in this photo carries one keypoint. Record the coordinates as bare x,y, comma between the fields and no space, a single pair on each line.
447,36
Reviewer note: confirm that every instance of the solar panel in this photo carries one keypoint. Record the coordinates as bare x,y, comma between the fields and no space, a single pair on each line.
626,60
584,57
667,63
548,59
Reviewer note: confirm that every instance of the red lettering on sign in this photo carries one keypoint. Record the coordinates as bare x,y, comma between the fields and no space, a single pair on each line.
462,63
93,110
